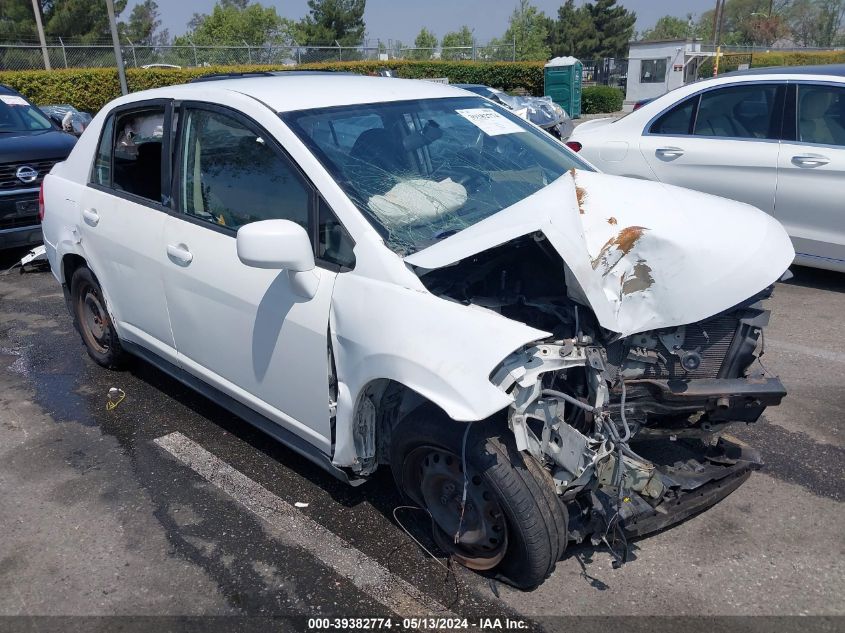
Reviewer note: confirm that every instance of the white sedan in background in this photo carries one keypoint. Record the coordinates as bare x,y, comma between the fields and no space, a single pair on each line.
773,138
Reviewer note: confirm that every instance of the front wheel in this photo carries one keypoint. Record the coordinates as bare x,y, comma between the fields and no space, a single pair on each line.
92,320
511,523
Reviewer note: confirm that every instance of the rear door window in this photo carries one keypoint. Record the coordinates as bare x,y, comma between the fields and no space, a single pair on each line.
678,120
744,111
138,153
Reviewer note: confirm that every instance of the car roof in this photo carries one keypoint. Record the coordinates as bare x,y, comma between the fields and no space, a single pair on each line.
834,70
290,90
7,90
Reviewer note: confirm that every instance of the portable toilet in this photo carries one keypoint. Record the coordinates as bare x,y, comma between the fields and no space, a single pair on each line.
562,82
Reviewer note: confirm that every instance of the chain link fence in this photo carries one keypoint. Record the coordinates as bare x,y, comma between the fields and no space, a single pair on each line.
28,56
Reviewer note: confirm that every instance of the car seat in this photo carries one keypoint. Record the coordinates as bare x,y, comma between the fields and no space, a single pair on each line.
378,158
754,116
815,123
378,147
713,122
146,172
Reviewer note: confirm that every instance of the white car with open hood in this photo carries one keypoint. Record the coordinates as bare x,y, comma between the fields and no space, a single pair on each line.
380,271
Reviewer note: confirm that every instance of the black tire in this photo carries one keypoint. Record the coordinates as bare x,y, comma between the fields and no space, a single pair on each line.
92,321
536,521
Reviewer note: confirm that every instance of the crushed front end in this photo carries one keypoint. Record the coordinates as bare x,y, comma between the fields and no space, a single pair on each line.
632,428
652,298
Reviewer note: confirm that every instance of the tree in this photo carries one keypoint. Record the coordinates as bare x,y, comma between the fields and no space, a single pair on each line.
527,32
614,27
234,22
17,21
748,22
573,33
81,19
669,27
144,25
424,44
815,22
831,14
457,44
803,19
331,21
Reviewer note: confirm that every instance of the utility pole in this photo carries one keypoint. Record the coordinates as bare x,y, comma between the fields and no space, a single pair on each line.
121,72
717,33
36,8
716,12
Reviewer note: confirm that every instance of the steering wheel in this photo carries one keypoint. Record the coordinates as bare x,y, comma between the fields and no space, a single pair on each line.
471,178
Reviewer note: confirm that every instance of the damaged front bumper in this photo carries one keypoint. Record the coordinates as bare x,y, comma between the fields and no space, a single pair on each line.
635,445
694,478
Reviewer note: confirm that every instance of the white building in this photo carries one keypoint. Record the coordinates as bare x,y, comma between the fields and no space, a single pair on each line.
655,68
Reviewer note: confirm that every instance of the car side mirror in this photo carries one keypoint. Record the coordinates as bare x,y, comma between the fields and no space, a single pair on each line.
280,245
275,244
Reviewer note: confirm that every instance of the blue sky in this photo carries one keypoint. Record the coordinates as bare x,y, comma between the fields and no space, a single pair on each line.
402,19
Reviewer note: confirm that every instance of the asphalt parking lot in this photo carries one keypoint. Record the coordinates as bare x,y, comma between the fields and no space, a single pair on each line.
99,517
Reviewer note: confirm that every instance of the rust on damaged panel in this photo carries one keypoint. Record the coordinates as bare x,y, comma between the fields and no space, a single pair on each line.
581,194
624,241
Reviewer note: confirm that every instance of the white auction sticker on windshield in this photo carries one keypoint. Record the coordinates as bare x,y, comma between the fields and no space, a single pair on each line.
13,100
489,121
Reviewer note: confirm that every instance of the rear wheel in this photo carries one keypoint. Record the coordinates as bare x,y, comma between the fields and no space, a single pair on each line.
92,320
511,523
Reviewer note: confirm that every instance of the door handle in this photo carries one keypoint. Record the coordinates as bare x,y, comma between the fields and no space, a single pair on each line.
669,152
90,216
180,254
810,160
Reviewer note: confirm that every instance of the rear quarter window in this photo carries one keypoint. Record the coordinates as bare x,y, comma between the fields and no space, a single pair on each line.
676,121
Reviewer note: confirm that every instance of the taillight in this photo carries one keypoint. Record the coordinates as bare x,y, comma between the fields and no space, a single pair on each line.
41,203
575,146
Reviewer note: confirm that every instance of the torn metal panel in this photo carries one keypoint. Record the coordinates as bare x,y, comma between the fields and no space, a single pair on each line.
669,257
440,349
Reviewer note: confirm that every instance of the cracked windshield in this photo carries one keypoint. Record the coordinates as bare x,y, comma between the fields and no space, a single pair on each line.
423,170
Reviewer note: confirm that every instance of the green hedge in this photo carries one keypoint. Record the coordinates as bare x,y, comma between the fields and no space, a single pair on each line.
90,89
601,99
732,61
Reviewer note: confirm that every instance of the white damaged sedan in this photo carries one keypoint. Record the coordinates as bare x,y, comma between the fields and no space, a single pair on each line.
379,271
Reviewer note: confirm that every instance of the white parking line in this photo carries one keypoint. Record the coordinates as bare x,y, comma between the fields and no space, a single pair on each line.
295,528
824,354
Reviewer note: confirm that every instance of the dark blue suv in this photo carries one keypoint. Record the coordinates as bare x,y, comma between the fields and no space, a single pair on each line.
30,144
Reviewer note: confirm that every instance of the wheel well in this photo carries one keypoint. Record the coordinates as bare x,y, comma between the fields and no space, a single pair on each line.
70,263
392,402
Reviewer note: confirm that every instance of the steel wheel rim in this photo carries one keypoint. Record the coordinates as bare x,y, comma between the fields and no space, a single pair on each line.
438,483
94,319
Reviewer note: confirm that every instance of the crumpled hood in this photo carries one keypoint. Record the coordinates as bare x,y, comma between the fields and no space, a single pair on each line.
645,255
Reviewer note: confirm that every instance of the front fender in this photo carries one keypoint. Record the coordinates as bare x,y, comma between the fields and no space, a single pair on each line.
443,350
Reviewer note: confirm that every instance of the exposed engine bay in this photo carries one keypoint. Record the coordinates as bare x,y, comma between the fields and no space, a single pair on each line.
630,428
